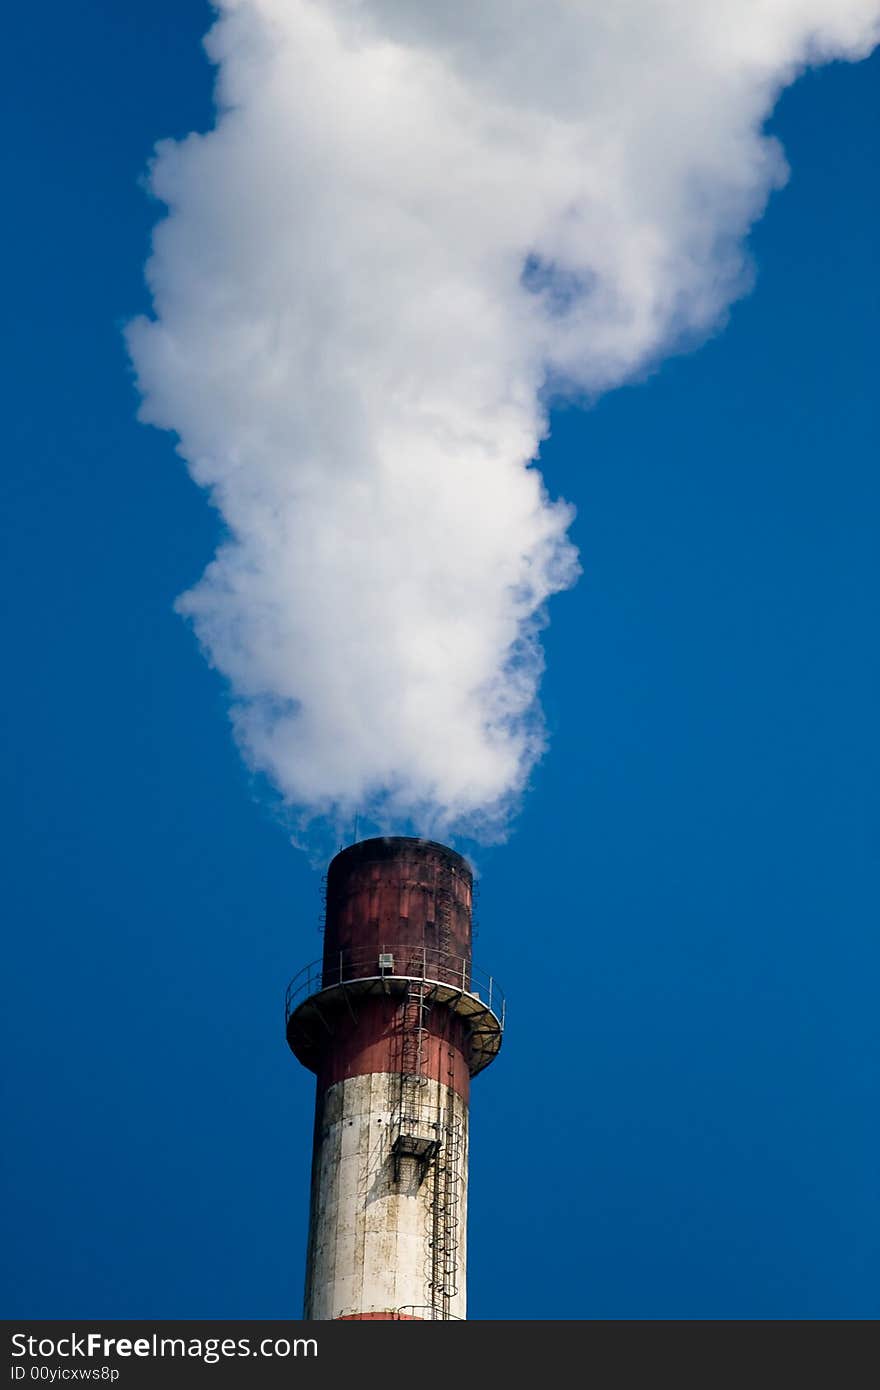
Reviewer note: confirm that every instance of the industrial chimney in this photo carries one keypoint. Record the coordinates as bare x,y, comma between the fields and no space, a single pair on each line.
395,1022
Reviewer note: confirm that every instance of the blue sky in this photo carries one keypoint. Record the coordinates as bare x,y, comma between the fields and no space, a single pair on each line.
683,1121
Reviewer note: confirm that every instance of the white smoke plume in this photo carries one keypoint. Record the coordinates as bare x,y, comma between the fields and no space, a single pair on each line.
412,223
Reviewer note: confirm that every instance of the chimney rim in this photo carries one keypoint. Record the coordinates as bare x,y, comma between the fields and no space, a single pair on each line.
383,847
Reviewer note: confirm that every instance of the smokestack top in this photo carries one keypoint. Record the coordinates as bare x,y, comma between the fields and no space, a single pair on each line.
399,893
398,916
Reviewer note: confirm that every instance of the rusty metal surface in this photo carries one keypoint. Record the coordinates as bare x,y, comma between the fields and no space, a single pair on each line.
413,892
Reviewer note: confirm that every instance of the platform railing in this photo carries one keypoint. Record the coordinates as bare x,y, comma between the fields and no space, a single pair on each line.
395,960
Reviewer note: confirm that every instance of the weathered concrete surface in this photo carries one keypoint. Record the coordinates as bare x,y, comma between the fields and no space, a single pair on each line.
372,1239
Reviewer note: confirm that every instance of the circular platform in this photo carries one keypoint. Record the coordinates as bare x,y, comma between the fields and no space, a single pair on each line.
310,1015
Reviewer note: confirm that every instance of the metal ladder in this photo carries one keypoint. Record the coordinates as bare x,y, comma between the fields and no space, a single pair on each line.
444,902
415,1133
445,1204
